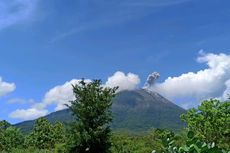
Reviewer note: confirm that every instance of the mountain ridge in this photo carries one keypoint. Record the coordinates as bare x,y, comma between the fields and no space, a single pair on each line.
132,110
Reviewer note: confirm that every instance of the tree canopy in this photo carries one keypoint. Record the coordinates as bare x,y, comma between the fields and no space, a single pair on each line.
210,121
92,111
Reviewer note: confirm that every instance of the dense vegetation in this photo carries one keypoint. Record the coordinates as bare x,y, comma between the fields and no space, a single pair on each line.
207,131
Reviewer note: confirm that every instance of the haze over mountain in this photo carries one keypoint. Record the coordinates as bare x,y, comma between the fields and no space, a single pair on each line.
133,110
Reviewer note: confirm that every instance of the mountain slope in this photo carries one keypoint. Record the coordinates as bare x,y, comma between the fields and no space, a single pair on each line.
136,110
140,110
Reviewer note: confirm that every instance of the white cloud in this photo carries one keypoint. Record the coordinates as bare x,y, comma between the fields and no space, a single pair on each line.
15,11
226,94
6,87
62,94
28,114
125,82
58,96
211,82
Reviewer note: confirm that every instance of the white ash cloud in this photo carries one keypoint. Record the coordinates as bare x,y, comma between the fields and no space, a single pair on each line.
151,80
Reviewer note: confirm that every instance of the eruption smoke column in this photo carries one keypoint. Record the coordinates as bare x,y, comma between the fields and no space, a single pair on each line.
151,80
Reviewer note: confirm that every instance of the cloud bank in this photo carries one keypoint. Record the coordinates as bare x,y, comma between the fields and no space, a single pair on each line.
62,94
6,87
212,82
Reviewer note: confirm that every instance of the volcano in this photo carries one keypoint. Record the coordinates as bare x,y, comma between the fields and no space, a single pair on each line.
133,110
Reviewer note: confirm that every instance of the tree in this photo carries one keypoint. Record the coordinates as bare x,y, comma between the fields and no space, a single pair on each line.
210,121
45,135
58,133
59,138
4,125
10,138
41,136
92,112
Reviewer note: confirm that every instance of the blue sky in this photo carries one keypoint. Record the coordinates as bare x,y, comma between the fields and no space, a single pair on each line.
45,44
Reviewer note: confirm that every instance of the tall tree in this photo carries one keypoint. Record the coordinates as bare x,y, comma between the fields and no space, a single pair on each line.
92,112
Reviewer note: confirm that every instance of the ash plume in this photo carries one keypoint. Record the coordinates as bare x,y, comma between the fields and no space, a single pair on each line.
151,80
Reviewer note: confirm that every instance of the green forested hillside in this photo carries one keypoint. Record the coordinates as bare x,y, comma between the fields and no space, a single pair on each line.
135,111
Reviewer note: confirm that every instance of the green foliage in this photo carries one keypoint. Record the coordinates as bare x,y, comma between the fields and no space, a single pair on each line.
92,113
193,145
30,150
10,138
41,136
208,126
45,135
162,136
58,133
60,148
4,125
211,122
133,143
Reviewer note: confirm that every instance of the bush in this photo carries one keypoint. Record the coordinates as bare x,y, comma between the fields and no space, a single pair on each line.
10,138
211,122
193,145
135,143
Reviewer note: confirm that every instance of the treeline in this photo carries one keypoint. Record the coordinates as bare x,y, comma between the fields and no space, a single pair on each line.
207,131
56,138
44,136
